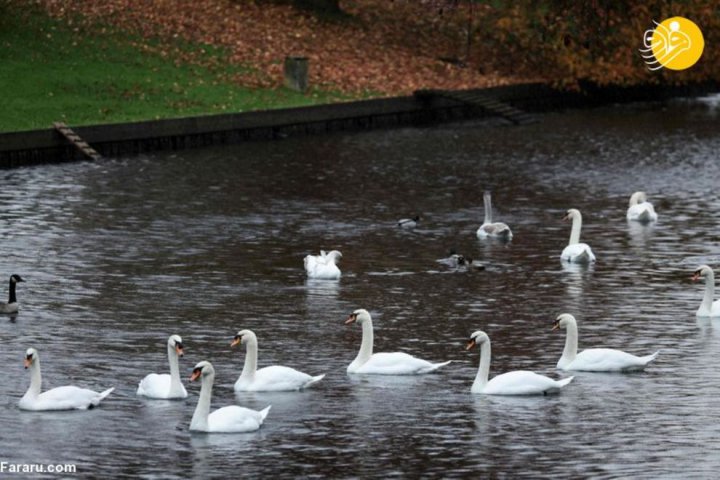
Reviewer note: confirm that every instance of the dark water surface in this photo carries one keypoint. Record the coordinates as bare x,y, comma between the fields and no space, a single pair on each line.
121,253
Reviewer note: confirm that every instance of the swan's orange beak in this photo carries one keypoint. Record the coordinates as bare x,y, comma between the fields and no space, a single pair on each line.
195,375
470,344
556,326
27,362
350,319
566,218
179,350
236,341
696,276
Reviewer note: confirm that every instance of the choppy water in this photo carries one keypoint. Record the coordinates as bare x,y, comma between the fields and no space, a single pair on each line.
121,253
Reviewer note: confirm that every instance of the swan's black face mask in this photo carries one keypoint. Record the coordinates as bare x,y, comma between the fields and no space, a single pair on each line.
556,325
179,345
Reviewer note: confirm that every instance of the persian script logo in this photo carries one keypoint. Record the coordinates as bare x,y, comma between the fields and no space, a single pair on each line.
676,43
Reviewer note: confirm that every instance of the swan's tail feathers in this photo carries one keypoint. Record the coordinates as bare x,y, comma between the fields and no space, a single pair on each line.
504,233
264,413
101,396
645,216
435,366
649,358
313,381
565,381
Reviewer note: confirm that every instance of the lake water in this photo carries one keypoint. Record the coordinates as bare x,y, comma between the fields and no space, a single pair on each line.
119,254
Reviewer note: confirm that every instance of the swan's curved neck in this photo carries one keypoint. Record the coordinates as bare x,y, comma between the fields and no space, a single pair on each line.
488,208
251,353
13,298
202,410
481,379
366,347
575,232
571,344
35,379
175,383
709,291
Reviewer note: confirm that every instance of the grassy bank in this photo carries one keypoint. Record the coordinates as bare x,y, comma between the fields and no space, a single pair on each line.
54,72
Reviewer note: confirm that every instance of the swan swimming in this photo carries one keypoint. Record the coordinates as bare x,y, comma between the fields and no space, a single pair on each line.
166,386
595,359
519,382
276,378
323,266
708,308
395,363
640,210
230,419
576,252
490,229
61,398
12,305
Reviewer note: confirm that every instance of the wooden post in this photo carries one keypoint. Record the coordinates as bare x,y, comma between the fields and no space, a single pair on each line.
296,73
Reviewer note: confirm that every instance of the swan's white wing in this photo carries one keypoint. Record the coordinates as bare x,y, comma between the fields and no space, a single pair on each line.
234,419
157,385
65,398
522,382
497,229
277,378
578,253
608,360
397,363
642,212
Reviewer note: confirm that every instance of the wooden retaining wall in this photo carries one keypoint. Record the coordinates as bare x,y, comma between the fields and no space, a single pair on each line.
112,140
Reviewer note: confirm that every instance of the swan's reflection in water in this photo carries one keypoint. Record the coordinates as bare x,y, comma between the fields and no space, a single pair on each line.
640,234
322,288
573,276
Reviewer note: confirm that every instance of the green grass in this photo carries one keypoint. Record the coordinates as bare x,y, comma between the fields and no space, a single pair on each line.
50,72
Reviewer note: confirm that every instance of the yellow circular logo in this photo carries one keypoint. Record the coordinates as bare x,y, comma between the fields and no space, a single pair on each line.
676,43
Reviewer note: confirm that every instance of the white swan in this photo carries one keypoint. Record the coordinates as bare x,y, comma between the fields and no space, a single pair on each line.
576,252
708,308
640,210
323,266
163,385
60,398
595,359
490,229
409,222
395,363
519,382
231,419
275,378
12,305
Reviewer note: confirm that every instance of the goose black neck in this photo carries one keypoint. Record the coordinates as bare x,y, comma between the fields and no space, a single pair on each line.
13,298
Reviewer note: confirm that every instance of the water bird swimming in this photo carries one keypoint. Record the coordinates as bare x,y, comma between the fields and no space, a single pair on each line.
166,386
595,359
61,398
640,210
323,266
519,382
490,229
575,251
230,419
409,222
12,305
275,378
707,308
395,363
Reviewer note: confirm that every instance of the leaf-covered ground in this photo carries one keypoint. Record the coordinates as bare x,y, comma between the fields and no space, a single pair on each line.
380,47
